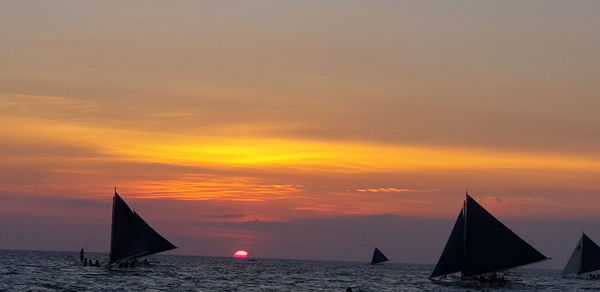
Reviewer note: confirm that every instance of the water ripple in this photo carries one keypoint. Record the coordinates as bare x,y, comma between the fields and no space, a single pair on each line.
51,271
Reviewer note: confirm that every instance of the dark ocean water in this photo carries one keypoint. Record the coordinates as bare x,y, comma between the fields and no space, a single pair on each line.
61,271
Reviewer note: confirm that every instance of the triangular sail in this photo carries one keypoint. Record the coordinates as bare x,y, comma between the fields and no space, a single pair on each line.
490,246
451,260
378,257
131,237
585,258
574,264
480,244
590,258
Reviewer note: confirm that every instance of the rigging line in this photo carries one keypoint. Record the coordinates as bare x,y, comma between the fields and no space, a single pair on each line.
97,225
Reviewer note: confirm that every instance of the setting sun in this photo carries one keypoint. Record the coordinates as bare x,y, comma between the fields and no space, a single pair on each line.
240,254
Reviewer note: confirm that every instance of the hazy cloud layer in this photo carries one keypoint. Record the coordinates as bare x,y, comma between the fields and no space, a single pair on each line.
309,117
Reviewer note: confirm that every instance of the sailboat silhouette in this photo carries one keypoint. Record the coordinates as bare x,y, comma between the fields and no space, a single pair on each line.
479,246
378,257
584,259
131,237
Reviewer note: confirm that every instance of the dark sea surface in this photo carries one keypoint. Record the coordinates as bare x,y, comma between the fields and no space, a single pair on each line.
61,271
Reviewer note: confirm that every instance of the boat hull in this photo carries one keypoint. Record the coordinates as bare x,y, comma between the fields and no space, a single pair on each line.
470,283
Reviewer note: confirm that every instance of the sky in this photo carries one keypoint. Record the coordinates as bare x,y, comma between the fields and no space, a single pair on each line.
299,129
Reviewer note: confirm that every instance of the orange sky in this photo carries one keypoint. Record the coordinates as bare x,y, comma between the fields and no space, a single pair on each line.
278,111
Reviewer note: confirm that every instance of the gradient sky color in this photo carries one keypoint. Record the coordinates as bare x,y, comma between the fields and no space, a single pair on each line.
340,124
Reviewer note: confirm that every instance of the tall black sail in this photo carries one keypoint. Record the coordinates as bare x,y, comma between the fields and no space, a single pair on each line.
131,237
378,257
490,246
451,260
480,244
590,259
585,257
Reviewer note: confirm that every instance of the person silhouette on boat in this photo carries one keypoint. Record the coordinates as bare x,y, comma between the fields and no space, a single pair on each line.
97,264
81,255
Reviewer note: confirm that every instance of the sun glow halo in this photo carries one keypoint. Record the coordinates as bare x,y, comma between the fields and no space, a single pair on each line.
240,254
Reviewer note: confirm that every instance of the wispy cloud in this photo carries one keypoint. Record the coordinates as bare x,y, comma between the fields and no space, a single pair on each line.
384,190
225,216
213,187
317,208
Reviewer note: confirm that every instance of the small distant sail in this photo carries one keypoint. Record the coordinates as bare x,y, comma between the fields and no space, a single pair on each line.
378,257
131,237
481,244
585,258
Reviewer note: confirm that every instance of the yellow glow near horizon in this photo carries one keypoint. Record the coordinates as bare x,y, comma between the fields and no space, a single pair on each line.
271,152
342,156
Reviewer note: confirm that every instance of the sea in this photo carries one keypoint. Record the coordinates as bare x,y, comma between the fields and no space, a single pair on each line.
62,271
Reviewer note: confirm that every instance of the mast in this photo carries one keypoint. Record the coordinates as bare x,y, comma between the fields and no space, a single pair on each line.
113,229
464,214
